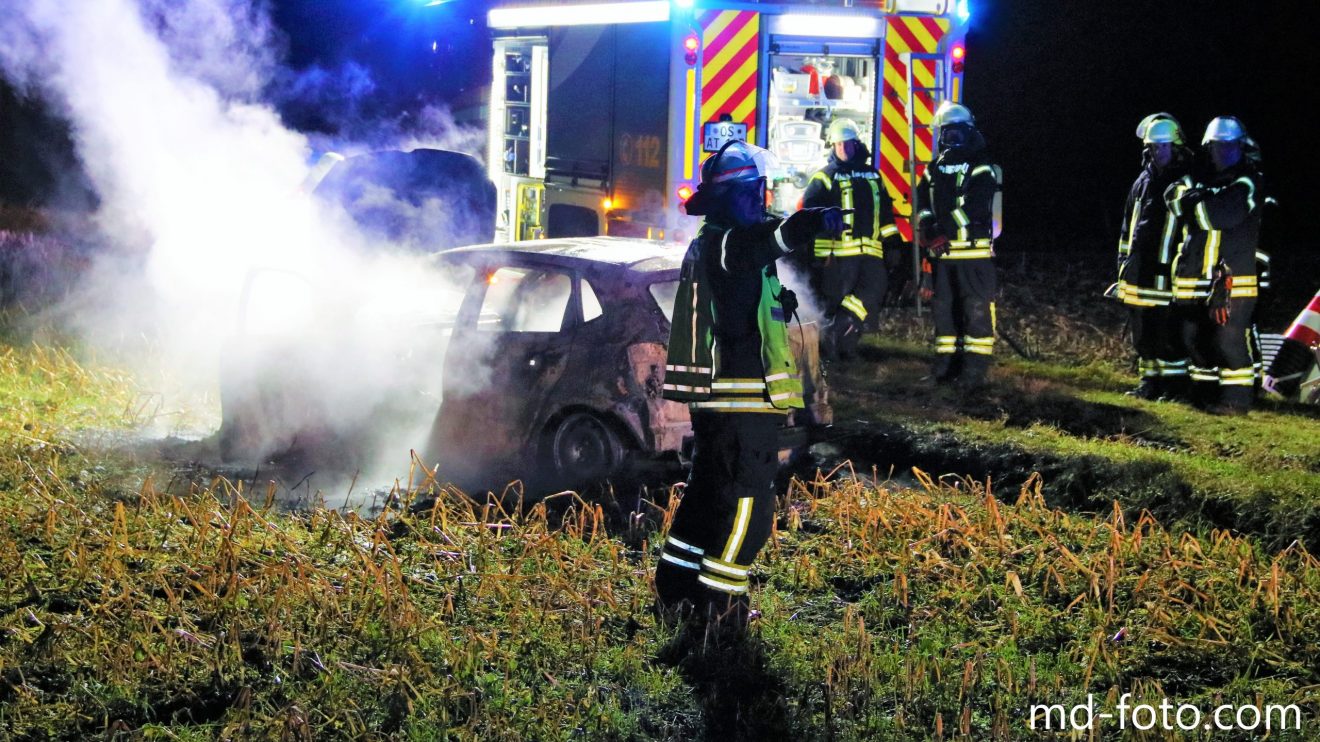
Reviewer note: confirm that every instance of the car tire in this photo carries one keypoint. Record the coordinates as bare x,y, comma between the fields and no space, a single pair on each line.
583,449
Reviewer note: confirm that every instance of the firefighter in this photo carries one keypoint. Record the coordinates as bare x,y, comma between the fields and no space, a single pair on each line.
1146,246
849,270
1214,274
729,358
954,229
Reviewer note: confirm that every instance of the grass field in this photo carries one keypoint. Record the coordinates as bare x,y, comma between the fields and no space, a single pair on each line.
138,604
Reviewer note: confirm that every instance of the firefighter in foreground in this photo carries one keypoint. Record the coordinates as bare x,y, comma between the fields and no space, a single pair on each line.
849,270
729,358
1146,248
955,231
1214,273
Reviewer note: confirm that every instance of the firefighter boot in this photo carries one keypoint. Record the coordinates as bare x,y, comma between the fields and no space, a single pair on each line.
1176,389
848,332
1233,400
1203,394
1148,388
975,368
727,617
677,589
946,368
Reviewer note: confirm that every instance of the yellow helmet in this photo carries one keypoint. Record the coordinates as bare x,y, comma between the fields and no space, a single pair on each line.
1160,127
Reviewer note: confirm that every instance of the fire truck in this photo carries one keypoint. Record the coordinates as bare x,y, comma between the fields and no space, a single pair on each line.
601,114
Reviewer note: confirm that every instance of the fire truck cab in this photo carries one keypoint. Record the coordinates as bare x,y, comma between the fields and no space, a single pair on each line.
601,113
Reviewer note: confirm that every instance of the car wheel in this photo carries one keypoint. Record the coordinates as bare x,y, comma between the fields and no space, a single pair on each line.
583,449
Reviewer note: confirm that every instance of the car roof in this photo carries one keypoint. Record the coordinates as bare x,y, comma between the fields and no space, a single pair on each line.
642,256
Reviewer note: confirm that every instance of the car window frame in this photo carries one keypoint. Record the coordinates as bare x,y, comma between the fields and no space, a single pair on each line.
573,317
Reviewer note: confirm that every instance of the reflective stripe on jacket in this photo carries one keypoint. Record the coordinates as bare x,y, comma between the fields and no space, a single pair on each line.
1148,239
955,199
872,222
1224,226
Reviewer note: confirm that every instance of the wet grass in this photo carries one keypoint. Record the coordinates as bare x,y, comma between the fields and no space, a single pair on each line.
198,610
1259,474
1061,412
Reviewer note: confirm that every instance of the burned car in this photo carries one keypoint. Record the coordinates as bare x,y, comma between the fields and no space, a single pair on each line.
543,364
555,366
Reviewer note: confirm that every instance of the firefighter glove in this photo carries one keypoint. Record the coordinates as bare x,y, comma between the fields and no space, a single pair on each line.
1190,198
1221,288
926,288
937,246
804,224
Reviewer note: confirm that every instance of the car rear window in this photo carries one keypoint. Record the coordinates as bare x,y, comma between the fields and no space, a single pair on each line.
664,293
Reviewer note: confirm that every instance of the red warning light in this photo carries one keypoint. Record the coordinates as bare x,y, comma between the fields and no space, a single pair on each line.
684,193
959,53
690,46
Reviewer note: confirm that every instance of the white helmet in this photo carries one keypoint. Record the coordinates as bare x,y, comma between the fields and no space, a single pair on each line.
1224,129
735,162
953,113
842,130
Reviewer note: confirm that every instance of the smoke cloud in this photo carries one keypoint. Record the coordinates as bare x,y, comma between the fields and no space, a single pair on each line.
201,210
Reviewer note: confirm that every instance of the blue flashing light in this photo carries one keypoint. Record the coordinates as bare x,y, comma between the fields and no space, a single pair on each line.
964,10
683,3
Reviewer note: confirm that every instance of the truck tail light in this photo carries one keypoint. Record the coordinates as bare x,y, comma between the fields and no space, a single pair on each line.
691,45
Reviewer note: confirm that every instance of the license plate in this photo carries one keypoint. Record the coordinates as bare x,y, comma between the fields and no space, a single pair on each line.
720,133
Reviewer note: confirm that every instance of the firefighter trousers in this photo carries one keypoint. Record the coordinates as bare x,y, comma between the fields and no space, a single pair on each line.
1222,359
851,289
1160,360
963,309
725,515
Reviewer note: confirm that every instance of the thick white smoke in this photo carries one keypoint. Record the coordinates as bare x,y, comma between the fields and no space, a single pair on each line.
199,184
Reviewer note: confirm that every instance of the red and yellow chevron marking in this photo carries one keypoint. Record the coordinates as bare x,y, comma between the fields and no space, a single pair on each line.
730,47
906,34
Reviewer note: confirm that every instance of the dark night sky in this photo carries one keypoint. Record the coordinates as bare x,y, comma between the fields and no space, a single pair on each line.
1057,87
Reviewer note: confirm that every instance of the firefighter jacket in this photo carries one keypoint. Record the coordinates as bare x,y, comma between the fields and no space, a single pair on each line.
728,344
955,199
1221,218
1148,239
854,184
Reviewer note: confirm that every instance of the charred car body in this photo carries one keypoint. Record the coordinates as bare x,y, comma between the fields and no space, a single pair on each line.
551,372
566,340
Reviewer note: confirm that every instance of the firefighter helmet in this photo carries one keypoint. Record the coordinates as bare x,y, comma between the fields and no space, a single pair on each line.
1224,129
953,113
1163,131
954,126
842,130
736,162
1158,128
1144,126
